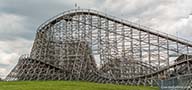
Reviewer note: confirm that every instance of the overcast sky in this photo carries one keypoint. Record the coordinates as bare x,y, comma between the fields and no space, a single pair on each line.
19,20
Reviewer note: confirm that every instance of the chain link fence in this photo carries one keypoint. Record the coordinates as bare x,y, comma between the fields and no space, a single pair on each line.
183,82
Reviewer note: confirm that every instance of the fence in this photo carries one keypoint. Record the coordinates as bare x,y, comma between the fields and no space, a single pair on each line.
183,82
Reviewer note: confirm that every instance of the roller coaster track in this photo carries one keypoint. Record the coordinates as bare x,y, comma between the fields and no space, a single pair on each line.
95,76
73,12
70,45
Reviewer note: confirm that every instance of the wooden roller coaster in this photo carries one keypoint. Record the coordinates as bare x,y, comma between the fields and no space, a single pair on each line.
84,44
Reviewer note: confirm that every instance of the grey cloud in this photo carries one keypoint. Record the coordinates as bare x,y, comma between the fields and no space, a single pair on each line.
38,11
162,15
13,26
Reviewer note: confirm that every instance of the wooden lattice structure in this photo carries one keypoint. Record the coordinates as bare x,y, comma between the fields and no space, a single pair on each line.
84,44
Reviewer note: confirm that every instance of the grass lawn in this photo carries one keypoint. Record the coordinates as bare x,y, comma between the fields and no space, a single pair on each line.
67,85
